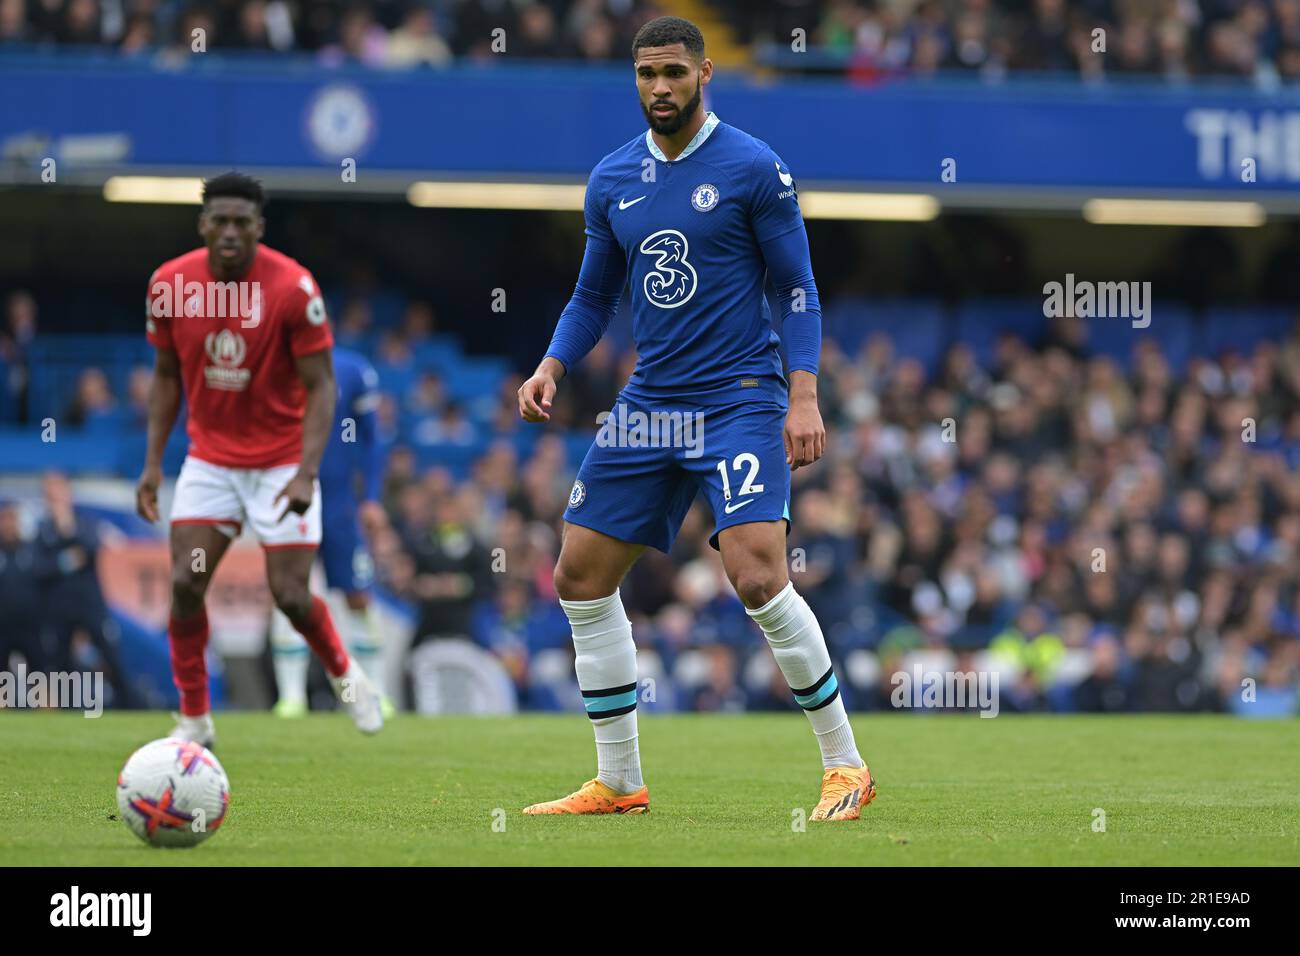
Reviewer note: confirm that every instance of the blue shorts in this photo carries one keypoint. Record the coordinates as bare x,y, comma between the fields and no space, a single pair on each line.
643,471
343,551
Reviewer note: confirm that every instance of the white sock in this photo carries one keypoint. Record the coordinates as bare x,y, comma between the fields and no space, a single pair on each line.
797,643
606,666
365,646
290,658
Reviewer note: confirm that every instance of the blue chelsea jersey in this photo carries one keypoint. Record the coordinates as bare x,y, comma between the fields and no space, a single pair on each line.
690,230
352,451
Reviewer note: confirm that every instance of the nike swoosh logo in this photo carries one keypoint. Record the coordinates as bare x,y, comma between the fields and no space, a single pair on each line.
786,178
623,203
738,505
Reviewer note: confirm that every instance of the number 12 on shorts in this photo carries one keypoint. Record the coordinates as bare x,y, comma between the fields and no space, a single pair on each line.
747,487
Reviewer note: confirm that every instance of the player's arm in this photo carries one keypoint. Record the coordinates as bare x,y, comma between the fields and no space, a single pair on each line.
586,317
778,226
164,406
164,396
316,369
790,267
370,456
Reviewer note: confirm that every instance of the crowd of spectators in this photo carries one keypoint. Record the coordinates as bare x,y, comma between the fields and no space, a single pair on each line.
1106,538
379,33
1176,39
51,605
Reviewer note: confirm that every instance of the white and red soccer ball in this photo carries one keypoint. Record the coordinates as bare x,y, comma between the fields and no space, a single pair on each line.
173,793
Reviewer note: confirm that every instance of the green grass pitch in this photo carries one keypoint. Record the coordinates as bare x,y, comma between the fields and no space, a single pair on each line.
724,790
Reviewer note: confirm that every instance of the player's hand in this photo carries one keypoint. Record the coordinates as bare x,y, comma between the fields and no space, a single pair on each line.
805,435
373,518
535,397
297,495
146,494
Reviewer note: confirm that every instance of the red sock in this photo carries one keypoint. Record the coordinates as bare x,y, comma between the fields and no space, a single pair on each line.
188,638
323,639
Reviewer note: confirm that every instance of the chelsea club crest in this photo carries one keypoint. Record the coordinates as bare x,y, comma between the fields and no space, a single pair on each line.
705,197
578,495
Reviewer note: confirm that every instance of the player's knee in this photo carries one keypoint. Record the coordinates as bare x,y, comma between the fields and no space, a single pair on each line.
757,584
572,585
564,581
188,588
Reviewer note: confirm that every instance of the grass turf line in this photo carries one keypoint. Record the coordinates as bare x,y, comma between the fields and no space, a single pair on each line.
954,789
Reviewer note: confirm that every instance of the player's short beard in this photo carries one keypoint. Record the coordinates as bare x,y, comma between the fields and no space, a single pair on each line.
680,118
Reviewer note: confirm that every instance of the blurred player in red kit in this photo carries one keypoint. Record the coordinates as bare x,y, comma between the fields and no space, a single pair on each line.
242,330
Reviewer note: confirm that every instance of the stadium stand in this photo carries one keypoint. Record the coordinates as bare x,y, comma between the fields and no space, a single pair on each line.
1075,437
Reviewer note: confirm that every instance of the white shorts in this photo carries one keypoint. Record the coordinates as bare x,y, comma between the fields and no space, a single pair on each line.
229,498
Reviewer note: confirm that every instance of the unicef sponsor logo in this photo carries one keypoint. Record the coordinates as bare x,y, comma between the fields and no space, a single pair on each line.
340,121
226,351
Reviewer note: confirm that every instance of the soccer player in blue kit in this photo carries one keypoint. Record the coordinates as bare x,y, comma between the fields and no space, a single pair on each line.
350,474
693,217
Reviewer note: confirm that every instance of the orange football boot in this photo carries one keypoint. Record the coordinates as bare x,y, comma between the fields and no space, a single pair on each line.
594,797
845,791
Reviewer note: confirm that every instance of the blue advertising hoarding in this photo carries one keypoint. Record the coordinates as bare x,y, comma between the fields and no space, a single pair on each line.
556,121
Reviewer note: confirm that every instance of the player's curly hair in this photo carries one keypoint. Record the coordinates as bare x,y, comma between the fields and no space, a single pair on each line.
665,31
236,186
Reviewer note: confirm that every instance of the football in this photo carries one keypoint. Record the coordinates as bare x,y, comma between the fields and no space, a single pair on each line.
173,793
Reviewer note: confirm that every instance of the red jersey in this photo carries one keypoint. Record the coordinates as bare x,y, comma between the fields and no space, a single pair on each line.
237,342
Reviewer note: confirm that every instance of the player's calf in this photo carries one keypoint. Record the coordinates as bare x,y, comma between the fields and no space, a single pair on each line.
287,573
187,639
196,551
314,623
188,591
295,601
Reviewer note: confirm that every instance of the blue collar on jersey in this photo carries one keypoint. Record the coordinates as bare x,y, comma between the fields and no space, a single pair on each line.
710,124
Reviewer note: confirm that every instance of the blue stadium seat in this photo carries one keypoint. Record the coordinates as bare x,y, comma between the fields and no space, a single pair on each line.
387,308
980,323
474,378
21,449
57,361
457,459
915,326
441,353
1173,329
365,344
1241,329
